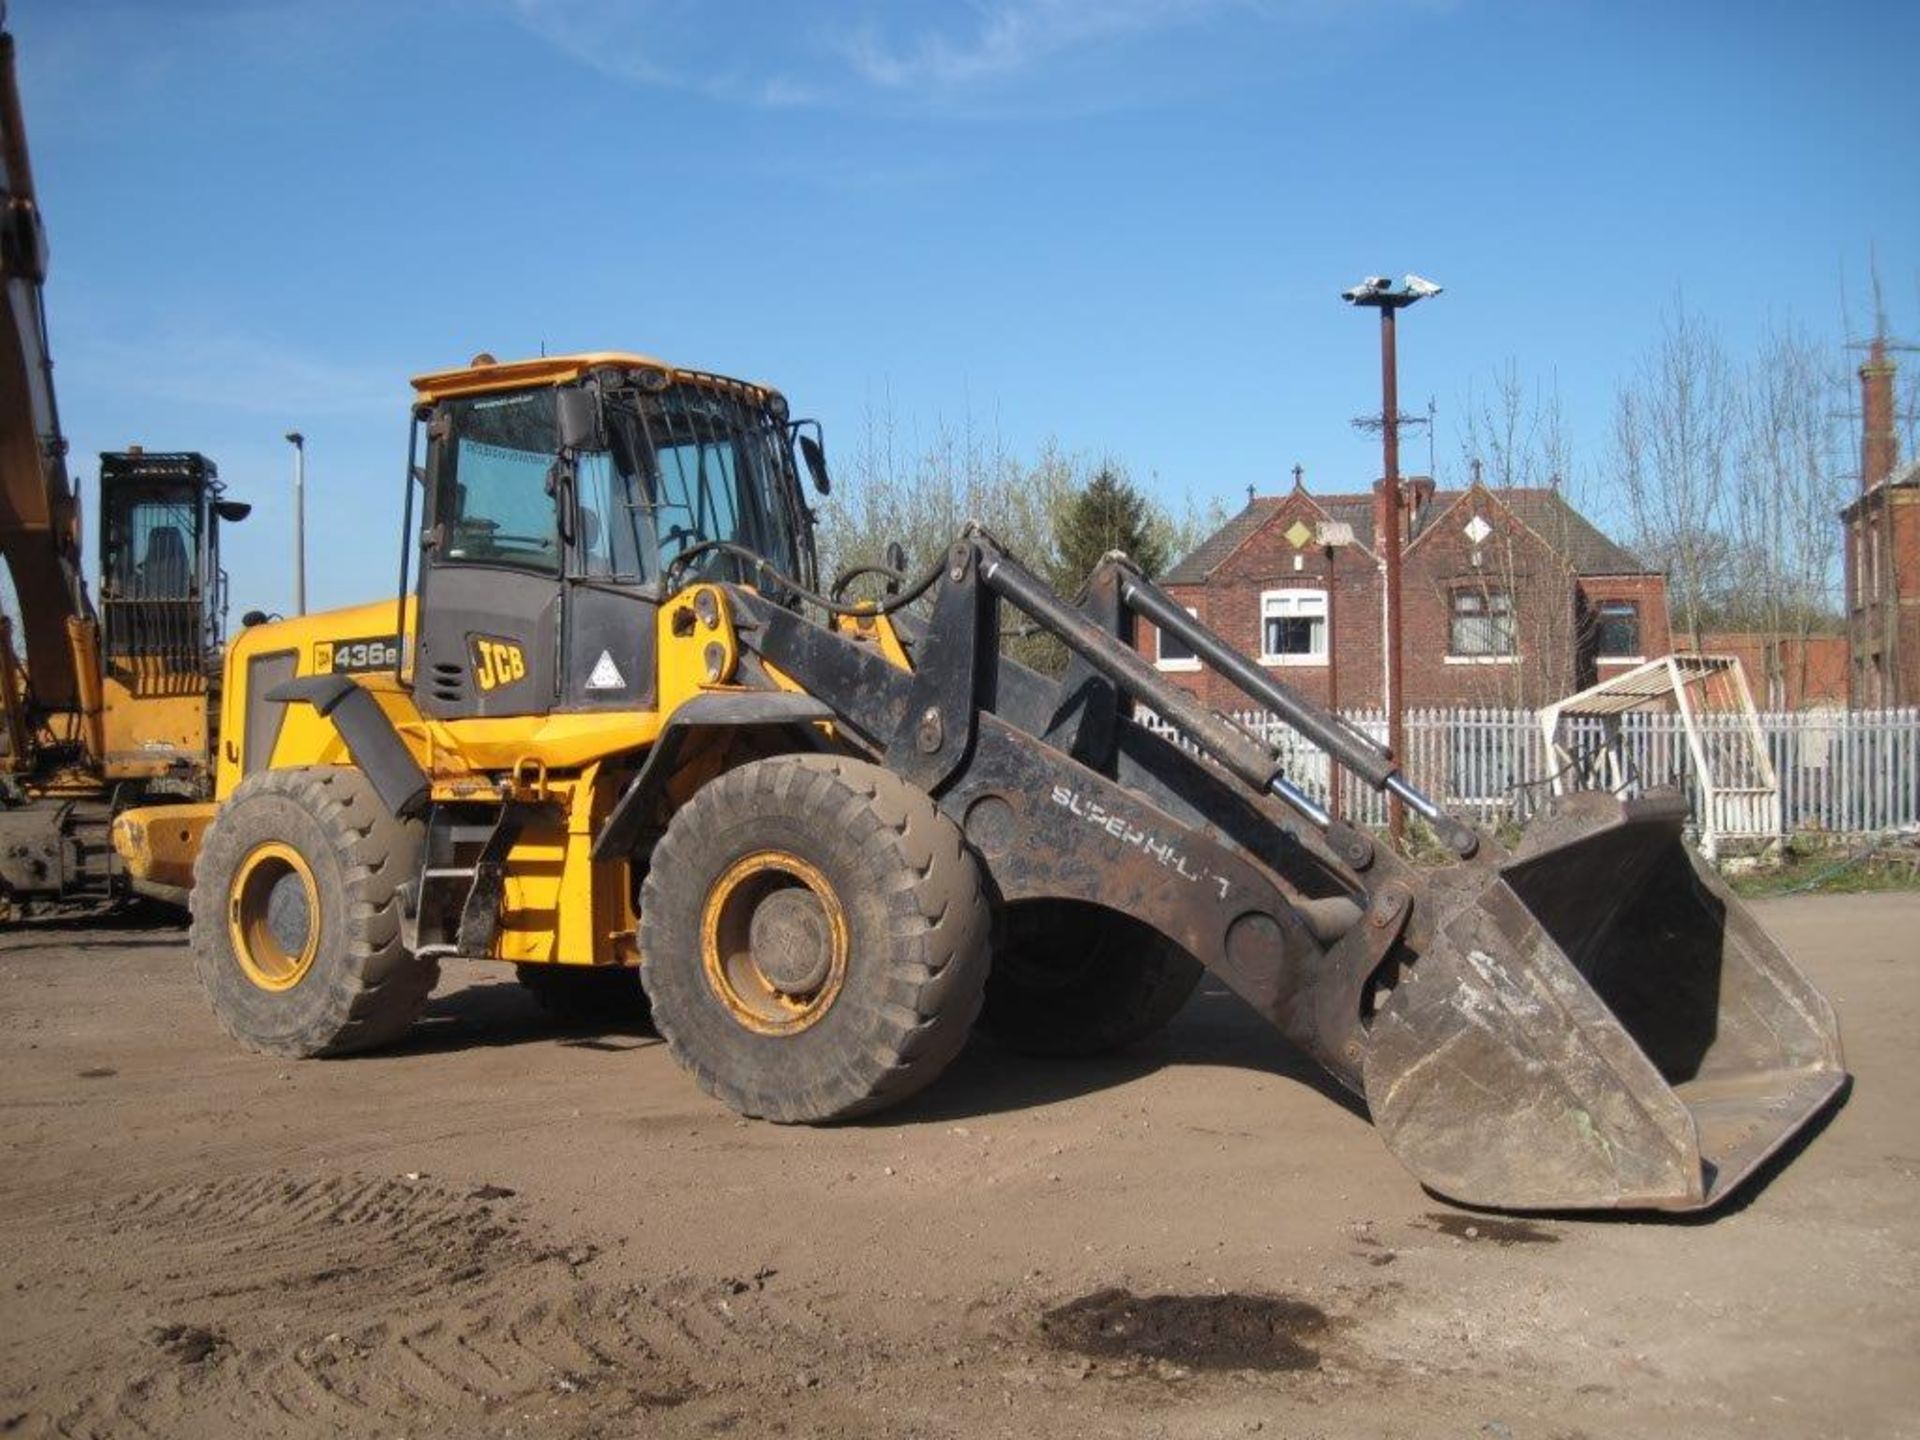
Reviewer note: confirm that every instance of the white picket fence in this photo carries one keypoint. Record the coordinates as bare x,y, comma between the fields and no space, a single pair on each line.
1843,773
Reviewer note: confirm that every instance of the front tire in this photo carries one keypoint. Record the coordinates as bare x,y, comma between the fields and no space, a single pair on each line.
816,938
296,915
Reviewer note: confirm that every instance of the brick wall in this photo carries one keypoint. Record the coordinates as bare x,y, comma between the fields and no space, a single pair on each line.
1873,682
1786,672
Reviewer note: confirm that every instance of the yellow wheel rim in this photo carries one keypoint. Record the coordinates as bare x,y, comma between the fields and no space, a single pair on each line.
273,916
773,942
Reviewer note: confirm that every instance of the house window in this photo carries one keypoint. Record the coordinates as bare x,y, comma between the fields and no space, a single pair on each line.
1293,627
1619,630
1482,622
1173,653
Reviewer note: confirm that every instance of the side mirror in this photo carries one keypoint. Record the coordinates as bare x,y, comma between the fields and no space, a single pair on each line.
579,419
253,618
232,511
813,450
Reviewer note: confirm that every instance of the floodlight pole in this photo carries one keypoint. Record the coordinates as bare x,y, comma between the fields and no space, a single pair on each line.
299,443
1333,536
1390,487
1388,301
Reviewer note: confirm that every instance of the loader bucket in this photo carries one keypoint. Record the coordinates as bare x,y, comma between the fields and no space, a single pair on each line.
1598,1023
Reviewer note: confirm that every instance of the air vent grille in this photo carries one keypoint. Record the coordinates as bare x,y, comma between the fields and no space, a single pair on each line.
449,681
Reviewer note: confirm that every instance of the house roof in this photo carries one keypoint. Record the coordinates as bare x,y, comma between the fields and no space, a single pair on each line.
1904,477
1544,511
1198,563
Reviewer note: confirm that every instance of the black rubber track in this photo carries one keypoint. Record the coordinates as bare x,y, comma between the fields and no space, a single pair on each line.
1076,979
918,924
364,989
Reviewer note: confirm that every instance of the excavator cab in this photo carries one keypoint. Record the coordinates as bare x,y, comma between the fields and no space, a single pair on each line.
163,608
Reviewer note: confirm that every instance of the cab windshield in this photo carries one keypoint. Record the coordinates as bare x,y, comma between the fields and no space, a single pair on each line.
153,537
683,466
689,465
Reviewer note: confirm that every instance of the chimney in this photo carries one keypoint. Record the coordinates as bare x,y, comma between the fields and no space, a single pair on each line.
1419,497
1877,439
1415,491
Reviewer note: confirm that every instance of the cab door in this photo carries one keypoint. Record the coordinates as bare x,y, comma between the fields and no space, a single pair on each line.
489,622
607,626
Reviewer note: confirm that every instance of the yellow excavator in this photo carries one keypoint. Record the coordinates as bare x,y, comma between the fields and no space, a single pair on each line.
108,706
614,730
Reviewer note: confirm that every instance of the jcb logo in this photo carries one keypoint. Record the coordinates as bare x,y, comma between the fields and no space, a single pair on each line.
497,663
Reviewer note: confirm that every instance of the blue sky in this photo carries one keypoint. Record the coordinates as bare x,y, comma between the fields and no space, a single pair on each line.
1119,224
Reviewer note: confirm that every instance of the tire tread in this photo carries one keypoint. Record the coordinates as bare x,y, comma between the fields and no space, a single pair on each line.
938,922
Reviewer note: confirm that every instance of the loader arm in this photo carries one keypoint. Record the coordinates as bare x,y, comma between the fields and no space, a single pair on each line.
1525,1037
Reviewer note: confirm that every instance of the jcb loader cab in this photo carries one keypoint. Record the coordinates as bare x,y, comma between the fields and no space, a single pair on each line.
612,725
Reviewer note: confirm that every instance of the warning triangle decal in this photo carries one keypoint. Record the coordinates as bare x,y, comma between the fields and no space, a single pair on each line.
606,675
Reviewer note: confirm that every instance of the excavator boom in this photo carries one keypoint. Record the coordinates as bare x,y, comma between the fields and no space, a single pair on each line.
39,512
89,721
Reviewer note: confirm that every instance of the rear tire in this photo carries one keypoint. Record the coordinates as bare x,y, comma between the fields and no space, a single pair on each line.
1076,979
816,938
296,915
583,996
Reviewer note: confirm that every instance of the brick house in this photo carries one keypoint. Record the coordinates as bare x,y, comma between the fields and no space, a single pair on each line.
1509,596
1882,529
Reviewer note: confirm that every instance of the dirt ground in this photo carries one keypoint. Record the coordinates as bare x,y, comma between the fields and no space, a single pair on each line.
508,1229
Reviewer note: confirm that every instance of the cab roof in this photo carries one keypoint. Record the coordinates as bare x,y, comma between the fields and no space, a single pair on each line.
485,374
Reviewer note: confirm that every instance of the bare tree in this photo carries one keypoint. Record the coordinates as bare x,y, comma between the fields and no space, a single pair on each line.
921,494
1676,427
1781,512
1178,525
1515,437
1516,429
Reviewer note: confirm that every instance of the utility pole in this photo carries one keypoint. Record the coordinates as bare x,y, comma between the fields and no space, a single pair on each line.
1378,292
1333,536
299,443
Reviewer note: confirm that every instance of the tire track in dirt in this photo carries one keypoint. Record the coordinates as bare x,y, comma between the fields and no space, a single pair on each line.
328,1303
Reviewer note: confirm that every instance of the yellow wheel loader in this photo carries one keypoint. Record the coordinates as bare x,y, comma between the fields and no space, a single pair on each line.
613,722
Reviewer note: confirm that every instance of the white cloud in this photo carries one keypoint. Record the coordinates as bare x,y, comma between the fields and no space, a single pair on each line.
854,53
1005,39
